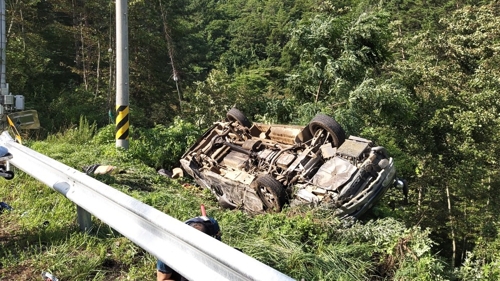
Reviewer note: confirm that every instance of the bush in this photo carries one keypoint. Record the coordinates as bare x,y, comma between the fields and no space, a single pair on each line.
162,147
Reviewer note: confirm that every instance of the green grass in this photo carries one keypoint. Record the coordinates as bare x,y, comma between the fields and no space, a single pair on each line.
41,232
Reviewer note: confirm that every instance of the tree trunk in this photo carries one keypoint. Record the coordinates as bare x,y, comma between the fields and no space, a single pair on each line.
317,92
452,226
21,20
84,69
400,33
419,200
98,68
75,24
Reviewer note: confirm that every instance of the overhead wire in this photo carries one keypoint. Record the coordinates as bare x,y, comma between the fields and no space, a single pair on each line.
171,52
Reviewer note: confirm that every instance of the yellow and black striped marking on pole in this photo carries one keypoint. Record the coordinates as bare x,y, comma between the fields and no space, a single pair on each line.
122,122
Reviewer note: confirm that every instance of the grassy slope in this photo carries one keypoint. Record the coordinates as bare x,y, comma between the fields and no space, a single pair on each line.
41,233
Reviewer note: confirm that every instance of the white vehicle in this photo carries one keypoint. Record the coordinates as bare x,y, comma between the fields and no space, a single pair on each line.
260,167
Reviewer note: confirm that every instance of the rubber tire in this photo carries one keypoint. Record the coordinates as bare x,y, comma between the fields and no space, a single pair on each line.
235,114
11,175
325,122
271,192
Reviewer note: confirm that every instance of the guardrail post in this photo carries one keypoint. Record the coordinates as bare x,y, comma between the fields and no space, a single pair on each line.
84,219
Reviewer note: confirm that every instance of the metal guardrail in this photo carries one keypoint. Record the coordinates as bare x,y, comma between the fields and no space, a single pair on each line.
190,252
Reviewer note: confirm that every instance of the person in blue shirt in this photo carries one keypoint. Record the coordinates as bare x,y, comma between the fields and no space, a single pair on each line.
207,225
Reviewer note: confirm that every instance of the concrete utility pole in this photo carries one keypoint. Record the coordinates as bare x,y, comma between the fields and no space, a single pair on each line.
122,82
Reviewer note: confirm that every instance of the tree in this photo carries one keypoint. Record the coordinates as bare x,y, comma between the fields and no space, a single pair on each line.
451,77
339,53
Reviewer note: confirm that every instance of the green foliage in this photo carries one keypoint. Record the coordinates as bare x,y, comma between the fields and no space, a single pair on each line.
483,263
105,135
404,253
336,53
161,147
76,135
251,91
478,269
452,126
211,100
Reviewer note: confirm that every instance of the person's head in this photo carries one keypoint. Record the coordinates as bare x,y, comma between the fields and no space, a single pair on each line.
200,226
206,225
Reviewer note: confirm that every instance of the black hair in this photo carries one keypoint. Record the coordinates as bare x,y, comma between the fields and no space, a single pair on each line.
199,225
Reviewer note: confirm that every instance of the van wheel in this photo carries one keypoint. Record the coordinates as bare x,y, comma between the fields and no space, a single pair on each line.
235,114
271,192
322,122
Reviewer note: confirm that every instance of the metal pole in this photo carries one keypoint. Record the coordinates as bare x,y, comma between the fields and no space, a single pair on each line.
3,43
84,219
4,87
122,82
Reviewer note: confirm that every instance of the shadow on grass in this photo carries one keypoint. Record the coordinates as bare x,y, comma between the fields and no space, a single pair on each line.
47,247
129,182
